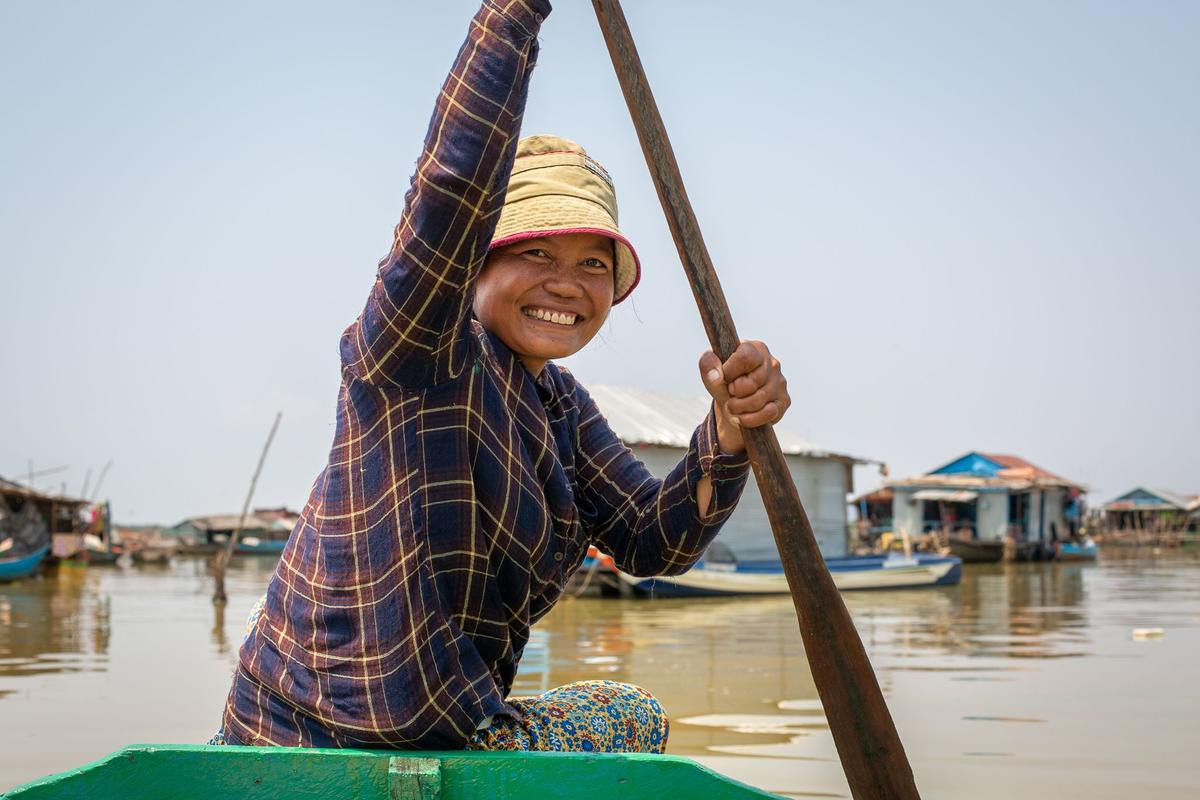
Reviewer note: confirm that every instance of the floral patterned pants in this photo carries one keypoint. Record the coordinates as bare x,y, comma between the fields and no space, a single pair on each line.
586,717
583,717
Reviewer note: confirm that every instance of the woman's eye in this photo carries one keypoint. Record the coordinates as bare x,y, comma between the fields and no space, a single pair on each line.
536,252
596,264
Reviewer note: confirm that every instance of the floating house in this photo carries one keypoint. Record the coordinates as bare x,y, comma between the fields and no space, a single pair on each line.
658,427
1152,511
988,498
28,515
208,534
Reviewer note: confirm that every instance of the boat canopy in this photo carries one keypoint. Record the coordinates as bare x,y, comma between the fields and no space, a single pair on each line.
946,495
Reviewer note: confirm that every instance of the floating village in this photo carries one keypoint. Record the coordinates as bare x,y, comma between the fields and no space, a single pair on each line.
910,532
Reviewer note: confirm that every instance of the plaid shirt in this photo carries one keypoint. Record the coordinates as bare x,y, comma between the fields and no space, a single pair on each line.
461,492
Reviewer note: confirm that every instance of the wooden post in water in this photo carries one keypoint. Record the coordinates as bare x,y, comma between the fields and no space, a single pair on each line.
870,749
221,560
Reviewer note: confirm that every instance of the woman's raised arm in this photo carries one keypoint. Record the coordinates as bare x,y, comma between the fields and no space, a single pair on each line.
413,330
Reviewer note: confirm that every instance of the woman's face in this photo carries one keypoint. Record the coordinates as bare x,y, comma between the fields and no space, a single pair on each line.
546,297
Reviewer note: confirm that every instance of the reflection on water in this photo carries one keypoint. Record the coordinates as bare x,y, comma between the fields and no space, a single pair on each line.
59,624
999,610
1022,680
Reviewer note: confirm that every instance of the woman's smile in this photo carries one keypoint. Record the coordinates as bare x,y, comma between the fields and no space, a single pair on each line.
561,318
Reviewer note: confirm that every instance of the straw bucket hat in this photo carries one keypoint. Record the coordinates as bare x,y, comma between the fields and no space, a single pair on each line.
557,188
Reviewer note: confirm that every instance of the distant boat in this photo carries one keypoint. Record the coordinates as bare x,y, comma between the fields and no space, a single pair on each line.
191,546
150,555
1072,551
977,551
95,551
275,773
252,545
919,570
17,567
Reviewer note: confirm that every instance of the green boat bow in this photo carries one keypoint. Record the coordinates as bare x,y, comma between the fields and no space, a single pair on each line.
187,772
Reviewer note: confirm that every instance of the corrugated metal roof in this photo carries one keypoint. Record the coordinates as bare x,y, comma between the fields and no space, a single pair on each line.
1000,465
227,522
1015,466
1171,500
969,482
13,488
947,495
663,418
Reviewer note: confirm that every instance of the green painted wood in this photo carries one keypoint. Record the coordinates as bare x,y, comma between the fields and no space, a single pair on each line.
414,778
198,772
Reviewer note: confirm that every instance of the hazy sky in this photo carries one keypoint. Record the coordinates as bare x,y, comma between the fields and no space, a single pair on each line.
959,225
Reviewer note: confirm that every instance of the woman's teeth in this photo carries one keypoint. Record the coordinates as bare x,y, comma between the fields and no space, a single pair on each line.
557,317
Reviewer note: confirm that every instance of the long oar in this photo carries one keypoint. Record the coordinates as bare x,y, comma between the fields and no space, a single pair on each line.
862,728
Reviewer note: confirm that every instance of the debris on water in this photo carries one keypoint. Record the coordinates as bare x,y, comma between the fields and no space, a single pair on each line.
791,750
1143,634
808,704
777,724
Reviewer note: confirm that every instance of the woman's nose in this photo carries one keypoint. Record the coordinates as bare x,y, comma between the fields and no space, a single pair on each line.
561,282
562,286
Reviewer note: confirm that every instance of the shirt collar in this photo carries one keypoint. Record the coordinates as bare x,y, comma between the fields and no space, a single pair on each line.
543,382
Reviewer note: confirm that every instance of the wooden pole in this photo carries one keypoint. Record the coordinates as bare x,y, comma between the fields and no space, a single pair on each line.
222,558
870,749
108,542
100,481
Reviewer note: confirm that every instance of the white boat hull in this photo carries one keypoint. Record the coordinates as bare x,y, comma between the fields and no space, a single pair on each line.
899,573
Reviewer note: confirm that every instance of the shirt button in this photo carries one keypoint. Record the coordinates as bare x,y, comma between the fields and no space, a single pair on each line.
558,556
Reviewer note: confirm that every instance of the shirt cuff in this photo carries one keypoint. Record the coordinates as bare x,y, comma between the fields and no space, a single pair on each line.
713,462
527,14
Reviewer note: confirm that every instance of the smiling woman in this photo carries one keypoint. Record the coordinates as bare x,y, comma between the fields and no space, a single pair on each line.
469,474
546,297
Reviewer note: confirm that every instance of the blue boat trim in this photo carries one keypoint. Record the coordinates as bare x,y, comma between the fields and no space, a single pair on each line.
12,569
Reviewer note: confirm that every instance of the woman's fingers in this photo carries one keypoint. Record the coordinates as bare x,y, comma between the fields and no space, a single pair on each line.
713,378
764,416
748,405
756,388
746,370
774,393
749,388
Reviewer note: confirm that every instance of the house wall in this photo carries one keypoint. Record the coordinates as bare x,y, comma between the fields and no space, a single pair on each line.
821,482
991,516
906,513
1054,513
184,530
1033,521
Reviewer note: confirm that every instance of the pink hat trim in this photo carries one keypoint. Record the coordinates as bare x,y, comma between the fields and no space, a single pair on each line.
523,235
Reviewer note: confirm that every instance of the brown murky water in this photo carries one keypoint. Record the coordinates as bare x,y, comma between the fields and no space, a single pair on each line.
1025,681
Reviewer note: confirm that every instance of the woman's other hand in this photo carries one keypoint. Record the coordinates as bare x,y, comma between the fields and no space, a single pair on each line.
748,390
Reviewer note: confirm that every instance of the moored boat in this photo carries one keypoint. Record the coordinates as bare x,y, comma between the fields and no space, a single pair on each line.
766,577
150,555
16,567
253,545
977,551
1077,551
189,547
196,772
95,550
